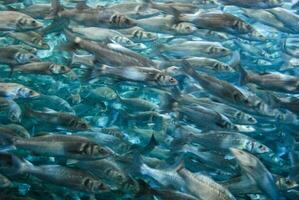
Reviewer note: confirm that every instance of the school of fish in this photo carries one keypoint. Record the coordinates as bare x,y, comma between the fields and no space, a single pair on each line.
149,100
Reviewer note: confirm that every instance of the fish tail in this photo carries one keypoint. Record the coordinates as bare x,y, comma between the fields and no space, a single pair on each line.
150,146
12,69
273,100
16,164
93,73
144,189
187,68
243,75
56,8
27,3
235,61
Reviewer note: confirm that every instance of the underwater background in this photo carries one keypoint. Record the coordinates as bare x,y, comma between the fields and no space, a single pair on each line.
145,99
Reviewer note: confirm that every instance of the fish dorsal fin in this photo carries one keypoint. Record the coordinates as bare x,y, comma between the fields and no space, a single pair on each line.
49,110
82,5
120,48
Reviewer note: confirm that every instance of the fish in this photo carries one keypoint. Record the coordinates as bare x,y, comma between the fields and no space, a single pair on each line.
102,34
165,194
55,174
12,109
224,22
165,24
202,186
133,73
16,21
11,55
92,16
15,129
288,18
36,11
4,182
73,147
134,9
270,81
256,170
107,53
260,4
138,34
16,90
194,48
29,37
41,68
219,88
63,119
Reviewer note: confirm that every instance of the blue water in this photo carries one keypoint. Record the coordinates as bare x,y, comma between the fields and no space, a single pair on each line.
181,109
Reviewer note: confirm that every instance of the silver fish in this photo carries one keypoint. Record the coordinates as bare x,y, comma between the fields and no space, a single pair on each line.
204,187
13,110
131,73
75,147
256,170
16,21
15,91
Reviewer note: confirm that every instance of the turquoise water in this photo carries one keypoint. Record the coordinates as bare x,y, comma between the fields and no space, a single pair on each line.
149,100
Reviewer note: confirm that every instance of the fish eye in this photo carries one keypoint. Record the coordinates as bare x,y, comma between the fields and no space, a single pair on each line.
33,22
31,92
239,114
172,80
87,182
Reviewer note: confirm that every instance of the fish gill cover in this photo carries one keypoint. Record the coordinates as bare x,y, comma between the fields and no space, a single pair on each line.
168,100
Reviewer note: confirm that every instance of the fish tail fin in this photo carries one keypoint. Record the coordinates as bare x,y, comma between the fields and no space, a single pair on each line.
187,68
94,72
235,60
150,146
243,75
27,3
144,188
12,69
15,164
56,8
10,8
273,100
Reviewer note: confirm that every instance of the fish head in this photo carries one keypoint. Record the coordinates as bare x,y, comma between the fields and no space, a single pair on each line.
166,80
218,50
184,28
28,23
258,36
59,69
174,71
43,45
94,186
25,92
141,35
244,117
256,147
130,185
100,151
23,57
122,21
223,67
